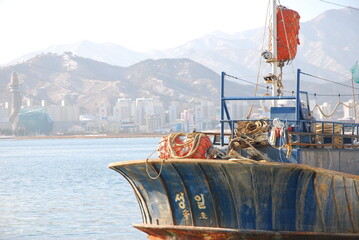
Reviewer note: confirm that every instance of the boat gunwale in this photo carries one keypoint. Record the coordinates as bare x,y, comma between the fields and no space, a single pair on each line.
114,165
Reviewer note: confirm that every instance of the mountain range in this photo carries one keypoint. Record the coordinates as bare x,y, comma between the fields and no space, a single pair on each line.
329,44
87,74
89,83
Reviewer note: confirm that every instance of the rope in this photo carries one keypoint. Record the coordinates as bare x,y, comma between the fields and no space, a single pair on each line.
159,173
248,132
335,109
194,138
241,79
340,5
261,102
246,128
279,81
331,95
259,66
321,95
324,79
238,139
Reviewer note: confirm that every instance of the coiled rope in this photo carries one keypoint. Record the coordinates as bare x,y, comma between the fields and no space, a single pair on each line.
250,128
247,133
239,139
193,139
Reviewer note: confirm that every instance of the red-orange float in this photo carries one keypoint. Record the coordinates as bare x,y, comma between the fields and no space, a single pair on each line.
287,33
181,145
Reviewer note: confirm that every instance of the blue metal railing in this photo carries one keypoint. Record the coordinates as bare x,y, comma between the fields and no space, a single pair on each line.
301,125
224,109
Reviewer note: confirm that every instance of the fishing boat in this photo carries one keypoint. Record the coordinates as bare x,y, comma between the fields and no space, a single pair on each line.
285,176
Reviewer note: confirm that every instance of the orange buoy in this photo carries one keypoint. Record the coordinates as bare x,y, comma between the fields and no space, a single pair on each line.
178,145
204,145
287,33
163,150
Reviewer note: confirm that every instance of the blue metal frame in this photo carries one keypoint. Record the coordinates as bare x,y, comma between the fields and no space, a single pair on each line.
299,122
224,109
298,105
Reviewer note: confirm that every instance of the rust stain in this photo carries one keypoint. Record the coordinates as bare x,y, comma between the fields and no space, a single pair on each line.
348,206
323,187
202,233
319,203
336,204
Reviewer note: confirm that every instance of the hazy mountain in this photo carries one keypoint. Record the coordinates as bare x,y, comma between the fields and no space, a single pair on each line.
331,41
89,83
235,54
329,47
110,53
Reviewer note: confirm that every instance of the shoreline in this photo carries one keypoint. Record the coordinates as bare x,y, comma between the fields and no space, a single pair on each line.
83,136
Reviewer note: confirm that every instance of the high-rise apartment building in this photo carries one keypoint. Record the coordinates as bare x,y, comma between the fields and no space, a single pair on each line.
122,111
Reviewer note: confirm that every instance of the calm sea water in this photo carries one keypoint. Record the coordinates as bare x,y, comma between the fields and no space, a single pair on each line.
63,188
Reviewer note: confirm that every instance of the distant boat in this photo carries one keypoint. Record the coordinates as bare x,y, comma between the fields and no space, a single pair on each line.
287,176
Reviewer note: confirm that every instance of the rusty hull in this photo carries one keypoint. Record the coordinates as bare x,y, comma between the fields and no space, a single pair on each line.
242,199
201,233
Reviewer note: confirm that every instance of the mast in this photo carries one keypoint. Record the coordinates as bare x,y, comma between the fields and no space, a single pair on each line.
274,49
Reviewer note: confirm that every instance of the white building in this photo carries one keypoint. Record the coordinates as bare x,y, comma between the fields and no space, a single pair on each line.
204,112
240,109
104,110
4,112
146,109
349,112
154,122
140,110
122,111
187,118
173,112
63,113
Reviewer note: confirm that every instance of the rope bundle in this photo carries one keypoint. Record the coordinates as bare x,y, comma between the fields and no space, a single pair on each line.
247,134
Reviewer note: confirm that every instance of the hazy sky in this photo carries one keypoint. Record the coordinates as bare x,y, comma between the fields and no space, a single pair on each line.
140,25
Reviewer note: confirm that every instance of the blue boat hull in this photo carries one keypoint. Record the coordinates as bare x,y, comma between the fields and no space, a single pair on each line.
244,197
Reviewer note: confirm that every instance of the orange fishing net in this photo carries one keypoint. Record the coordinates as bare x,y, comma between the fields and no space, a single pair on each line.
287,33
184,146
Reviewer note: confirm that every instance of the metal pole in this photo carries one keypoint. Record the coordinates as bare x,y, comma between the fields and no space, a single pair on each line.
222,108
274,48
298,103
354,102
